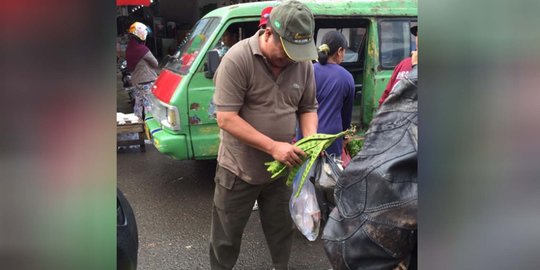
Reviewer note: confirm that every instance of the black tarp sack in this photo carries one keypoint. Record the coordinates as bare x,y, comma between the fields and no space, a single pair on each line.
373,225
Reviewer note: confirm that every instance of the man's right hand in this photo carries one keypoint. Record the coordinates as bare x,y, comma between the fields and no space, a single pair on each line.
288,154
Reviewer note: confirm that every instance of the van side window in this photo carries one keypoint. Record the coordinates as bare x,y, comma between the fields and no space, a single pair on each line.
227,40
233,33
396,41
354,37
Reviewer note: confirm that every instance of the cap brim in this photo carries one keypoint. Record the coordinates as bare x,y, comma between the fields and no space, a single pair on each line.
300,52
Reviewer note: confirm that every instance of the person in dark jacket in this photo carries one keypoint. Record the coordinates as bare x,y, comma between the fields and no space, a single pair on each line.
374,224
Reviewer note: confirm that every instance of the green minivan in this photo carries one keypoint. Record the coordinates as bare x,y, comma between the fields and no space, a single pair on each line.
182,119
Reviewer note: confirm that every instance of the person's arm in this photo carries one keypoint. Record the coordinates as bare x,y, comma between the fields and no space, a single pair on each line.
308,123
283,152
346,110
391,83
307,109
151,60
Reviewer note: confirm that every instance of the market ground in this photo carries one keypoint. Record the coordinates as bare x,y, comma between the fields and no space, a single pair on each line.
172,202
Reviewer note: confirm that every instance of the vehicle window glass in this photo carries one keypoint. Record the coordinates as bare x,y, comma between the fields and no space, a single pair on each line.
192,45
232,33
396,41
354,37
230,36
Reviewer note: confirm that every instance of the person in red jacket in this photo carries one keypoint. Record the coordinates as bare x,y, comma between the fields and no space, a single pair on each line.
402,68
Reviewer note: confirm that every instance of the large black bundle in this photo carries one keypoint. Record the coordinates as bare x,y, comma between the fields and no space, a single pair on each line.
373,225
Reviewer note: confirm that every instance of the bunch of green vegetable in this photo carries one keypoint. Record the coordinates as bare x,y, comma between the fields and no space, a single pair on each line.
355,145
313,146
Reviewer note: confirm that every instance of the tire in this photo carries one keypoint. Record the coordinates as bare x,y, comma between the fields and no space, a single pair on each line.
127,238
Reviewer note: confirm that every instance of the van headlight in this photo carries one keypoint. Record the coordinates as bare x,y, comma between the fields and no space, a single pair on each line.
167,115
173,119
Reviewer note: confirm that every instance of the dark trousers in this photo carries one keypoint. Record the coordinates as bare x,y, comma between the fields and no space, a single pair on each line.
233,202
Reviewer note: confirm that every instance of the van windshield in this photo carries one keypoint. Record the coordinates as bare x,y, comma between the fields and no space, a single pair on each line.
192,45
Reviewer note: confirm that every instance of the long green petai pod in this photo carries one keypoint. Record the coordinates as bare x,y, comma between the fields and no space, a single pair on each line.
313,146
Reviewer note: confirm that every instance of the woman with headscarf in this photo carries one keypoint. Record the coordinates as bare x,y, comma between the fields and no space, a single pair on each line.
142,65
335,90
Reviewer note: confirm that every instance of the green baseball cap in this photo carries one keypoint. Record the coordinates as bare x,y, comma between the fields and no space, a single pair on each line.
294,23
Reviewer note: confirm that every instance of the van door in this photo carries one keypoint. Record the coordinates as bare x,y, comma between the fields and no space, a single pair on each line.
201,110
355,31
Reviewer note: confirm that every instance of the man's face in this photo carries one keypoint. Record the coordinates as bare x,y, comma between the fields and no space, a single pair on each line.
276,55
229,39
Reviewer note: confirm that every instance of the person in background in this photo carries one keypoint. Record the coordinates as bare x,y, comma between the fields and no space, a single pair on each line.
265,14
335,96
263,85
142,65
228,39
402,69
335,90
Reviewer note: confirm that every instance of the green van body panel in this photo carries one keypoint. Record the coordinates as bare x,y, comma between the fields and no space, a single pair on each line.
172,145
198,136
203,125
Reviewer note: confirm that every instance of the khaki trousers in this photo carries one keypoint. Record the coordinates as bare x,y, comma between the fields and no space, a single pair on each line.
233,202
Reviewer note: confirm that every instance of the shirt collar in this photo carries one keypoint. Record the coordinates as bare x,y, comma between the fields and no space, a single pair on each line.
254,43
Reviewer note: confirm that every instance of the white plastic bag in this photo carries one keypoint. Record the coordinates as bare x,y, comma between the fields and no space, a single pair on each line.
328,171
304,209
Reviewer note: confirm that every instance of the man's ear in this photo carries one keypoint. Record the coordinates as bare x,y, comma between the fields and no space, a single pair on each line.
267,33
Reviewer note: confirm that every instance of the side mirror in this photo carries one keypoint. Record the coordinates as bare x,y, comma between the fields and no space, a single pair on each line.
212,64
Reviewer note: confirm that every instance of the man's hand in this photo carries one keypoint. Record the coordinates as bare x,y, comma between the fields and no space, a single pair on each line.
414,57
288,154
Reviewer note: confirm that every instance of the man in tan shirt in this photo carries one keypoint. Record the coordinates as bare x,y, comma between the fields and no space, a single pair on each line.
263,85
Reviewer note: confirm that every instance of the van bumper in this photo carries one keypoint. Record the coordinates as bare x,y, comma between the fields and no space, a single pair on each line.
172,145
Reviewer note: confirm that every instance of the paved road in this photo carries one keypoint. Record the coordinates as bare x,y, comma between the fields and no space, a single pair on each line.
172,201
